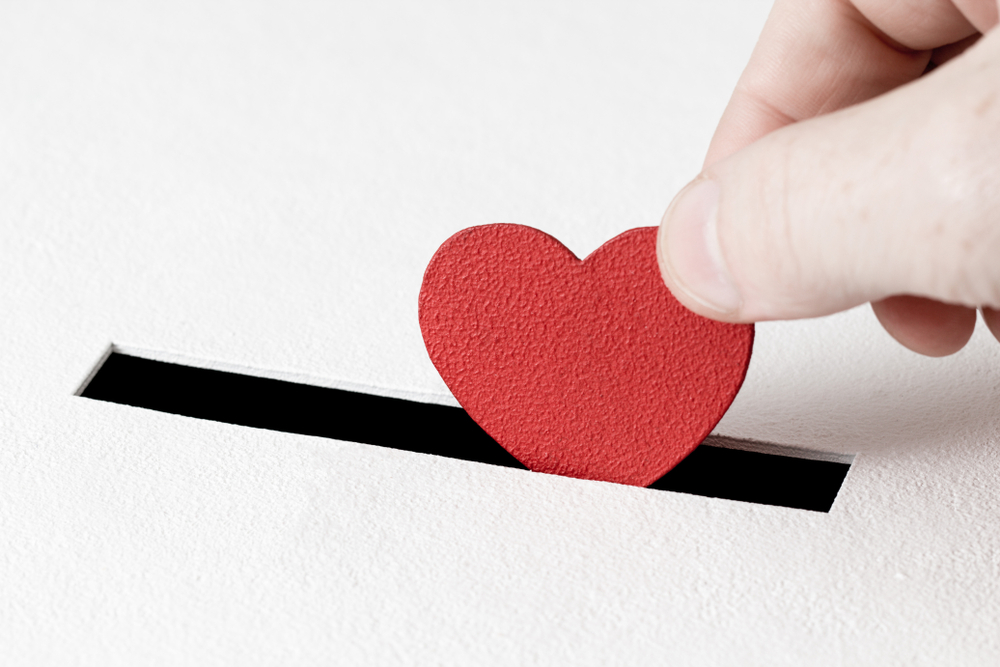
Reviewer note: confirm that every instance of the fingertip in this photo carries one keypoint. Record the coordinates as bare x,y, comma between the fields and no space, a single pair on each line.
926,326
690,257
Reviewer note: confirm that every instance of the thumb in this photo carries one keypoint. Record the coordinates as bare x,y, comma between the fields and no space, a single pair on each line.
898,195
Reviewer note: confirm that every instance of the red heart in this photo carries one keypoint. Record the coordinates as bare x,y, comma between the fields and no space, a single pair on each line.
587,368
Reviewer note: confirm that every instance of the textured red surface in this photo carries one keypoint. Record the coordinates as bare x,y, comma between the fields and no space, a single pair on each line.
586,368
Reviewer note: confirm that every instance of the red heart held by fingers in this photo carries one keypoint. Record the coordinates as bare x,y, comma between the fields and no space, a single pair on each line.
586,368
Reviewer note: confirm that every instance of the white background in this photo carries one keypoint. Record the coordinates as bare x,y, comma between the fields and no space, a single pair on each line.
259,186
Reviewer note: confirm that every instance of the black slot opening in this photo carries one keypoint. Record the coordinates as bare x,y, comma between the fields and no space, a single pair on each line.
278,405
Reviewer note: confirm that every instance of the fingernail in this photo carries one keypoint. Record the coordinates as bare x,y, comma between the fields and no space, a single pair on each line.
690,249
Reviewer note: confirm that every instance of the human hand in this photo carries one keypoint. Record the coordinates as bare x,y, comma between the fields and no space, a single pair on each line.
843,171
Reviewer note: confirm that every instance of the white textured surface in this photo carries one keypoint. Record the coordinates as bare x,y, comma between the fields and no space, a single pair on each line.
261,186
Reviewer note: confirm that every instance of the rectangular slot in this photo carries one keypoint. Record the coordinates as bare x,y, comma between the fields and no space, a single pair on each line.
732,471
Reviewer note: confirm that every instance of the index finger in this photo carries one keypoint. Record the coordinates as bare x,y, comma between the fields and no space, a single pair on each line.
817,56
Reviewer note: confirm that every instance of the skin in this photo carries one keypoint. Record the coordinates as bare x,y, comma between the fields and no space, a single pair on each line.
858,161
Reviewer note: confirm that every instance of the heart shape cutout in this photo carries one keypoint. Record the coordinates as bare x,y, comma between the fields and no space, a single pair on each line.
585,368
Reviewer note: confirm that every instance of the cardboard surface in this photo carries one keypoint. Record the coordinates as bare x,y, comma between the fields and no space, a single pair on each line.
261,186
585,368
